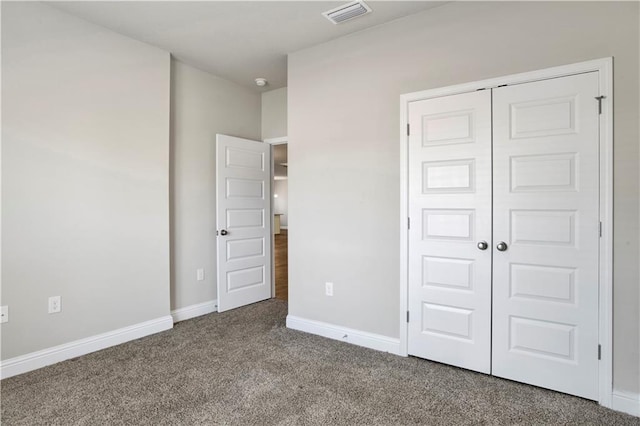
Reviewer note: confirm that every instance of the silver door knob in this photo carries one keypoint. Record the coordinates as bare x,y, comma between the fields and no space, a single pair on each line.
482,245
502,246
223,232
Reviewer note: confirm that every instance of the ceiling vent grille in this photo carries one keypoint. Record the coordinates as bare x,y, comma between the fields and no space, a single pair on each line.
347,12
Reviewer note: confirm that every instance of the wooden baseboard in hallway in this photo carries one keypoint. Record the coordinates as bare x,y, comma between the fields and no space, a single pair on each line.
281,264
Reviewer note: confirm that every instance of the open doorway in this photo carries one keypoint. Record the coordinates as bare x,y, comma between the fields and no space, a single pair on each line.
280,221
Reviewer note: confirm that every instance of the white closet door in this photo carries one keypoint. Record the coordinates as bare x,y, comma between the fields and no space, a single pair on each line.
450,213
545,284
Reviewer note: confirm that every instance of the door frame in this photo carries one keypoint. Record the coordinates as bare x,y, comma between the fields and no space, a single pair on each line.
274,141
604,67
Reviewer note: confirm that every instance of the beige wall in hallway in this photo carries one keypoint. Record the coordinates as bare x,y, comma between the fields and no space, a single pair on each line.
281,204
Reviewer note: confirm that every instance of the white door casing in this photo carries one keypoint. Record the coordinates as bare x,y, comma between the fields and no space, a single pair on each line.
546,202
272,142
450,214
547,210
243,208
603,69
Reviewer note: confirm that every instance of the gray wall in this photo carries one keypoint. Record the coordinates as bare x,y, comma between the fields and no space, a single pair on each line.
85,171
274,113
201,106
281,204
344,97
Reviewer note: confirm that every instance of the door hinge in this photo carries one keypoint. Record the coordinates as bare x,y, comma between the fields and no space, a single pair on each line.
600,229
599,352
407,316
408,129
408,223
599,99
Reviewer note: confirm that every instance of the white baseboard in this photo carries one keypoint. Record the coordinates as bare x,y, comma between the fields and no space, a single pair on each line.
34,360
193,311
627,402
284,227
344,334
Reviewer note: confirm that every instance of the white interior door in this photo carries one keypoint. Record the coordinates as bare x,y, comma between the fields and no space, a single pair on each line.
243,200
545,282
450,215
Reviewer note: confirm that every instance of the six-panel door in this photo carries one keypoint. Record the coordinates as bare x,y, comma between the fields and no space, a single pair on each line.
450,212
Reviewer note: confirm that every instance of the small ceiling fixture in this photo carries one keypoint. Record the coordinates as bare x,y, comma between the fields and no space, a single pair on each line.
261,82
347,12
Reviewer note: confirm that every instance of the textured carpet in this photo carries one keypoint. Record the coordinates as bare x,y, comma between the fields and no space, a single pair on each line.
244,367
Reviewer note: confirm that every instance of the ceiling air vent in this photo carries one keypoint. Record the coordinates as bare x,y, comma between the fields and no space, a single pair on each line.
347,12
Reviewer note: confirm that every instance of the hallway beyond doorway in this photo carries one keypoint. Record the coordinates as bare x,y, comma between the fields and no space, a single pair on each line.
281,264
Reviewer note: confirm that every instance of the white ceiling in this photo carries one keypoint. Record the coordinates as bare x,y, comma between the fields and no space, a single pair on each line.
235,40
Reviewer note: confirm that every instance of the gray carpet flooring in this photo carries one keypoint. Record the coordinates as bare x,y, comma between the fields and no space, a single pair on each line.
245,367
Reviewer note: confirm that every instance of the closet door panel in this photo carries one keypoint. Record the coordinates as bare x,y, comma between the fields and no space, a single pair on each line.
450,212
545,183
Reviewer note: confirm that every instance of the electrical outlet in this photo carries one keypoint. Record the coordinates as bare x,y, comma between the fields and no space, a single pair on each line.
328,289
200,274
55,305
4,314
